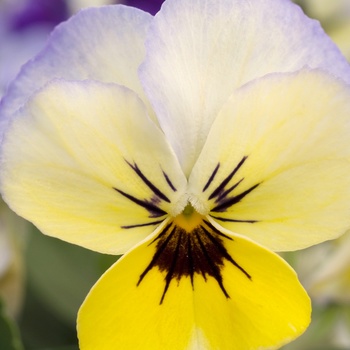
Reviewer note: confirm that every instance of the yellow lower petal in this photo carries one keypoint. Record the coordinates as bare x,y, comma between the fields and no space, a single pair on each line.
254,303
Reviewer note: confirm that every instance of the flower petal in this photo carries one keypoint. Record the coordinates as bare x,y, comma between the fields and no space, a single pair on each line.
105,44
84,163
200,51
127,308
276,164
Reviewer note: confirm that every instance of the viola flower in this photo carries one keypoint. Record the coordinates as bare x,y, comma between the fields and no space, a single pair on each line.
197,142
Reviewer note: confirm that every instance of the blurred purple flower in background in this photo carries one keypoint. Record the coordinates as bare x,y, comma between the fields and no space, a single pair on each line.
26,24
24,27
36,12
150,6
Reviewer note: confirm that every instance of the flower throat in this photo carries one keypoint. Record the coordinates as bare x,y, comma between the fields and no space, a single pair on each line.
190,245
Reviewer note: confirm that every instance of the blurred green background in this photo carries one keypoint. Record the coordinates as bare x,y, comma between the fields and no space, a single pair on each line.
57,276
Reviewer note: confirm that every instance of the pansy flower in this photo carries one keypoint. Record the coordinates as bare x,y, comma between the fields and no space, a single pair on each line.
197,142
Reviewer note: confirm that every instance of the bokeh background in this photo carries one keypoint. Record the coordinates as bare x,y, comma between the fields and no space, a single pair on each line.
43,281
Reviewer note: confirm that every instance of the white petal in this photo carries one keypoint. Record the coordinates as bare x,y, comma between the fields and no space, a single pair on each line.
199,51
84,163
105,44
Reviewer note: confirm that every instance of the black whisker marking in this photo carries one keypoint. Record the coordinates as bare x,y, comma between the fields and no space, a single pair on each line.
156,256
211,178
228,191
224,252
171,270
233,200
221,187
153,209
169,182
150,185
142,225
181,253
234,220
217,231
191,266
164,231
214,268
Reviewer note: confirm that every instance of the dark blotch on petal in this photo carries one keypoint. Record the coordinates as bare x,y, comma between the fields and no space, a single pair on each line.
180,253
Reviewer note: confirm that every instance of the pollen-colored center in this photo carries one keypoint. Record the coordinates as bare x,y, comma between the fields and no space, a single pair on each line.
190,246
189,219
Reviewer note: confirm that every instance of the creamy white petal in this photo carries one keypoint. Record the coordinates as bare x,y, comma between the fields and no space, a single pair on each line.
277,161
200,51
84,163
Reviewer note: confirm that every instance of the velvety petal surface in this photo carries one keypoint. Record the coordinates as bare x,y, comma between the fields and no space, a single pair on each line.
147,301
105,44
84,163
276,163
200,51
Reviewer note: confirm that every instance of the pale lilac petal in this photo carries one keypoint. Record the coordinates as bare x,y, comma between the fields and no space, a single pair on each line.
200,51
105,44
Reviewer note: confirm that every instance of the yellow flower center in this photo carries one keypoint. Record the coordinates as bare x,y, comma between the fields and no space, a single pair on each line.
189,219
189,245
